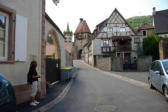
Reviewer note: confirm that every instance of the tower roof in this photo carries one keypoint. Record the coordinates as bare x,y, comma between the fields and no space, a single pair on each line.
82,27
68,30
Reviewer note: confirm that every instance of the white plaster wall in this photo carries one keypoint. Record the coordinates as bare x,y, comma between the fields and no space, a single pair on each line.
96,46
32,10
60,38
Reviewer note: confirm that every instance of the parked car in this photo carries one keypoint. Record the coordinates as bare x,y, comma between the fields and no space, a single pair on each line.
158,76
7,96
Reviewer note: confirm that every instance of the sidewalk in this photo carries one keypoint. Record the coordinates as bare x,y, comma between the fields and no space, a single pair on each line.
51,94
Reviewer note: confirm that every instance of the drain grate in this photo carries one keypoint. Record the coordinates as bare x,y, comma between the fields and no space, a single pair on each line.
105,108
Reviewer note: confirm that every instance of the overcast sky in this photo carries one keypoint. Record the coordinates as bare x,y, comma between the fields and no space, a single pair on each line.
95,11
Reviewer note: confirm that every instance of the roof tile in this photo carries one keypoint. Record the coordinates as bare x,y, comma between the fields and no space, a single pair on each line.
82,27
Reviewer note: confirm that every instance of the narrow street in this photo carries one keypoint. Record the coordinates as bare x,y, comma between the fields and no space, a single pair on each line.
95,91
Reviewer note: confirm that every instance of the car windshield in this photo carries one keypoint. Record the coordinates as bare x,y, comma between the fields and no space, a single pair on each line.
165,64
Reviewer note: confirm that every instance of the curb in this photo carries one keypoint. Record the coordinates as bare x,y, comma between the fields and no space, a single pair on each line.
57,99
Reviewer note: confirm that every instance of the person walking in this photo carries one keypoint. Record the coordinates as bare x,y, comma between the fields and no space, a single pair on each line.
33,81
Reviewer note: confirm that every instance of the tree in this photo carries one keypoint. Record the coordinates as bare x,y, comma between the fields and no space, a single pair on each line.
151,46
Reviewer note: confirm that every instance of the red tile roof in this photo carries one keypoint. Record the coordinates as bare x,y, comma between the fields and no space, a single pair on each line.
68,47
82,27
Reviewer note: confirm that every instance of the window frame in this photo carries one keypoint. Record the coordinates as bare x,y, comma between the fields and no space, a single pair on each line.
10,59
6,36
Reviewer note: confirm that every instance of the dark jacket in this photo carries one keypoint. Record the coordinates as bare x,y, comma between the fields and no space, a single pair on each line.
32,72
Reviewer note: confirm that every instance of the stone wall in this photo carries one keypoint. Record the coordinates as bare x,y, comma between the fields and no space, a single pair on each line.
116,64
103,63
143,63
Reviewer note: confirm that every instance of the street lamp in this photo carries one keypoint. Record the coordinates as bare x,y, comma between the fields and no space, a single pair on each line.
55,1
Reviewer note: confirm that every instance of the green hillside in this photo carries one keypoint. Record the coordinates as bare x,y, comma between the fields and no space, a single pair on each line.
139,20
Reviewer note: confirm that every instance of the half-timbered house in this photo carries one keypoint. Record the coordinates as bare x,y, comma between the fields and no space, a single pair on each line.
115,37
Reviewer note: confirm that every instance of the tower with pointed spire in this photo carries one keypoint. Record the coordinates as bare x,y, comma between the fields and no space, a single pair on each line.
68,35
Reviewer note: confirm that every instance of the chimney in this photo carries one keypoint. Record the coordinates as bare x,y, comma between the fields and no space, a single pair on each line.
153,17
81,19
154,11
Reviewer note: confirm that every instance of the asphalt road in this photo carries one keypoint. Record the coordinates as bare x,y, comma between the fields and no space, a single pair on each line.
94,91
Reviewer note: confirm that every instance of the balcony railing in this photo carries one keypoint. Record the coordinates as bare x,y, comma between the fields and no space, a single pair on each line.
107,49
123,48
110,49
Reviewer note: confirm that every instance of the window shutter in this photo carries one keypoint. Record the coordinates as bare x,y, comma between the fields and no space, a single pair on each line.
21,38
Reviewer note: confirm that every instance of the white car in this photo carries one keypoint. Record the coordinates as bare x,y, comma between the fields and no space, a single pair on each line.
158,76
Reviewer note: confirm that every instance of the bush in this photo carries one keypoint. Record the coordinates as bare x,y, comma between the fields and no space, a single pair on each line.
53,56
151,46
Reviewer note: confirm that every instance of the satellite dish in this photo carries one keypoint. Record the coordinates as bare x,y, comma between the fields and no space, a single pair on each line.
55,1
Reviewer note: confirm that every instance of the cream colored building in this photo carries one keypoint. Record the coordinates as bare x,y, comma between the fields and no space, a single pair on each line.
22,39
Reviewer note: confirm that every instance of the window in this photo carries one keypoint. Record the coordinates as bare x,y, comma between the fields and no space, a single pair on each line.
136,40
122,29
105,42
109,29
165,64
4,20
115,29
158,67
144,33
153,66
7,34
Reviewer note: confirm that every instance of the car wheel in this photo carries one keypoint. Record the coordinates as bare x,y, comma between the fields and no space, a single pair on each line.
150,84
166,92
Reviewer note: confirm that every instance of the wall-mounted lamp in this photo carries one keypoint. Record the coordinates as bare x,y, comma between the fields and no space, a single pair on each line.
55,1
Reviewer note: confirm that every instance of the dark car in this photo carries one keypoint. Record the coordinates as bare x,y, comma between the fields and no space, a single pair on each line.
7,96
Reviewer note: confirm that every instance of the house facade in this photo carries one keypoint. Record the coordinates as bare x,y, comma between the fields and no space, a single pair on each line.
88,53
116,46
160,24
115,37
24,30
21,33
145,30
